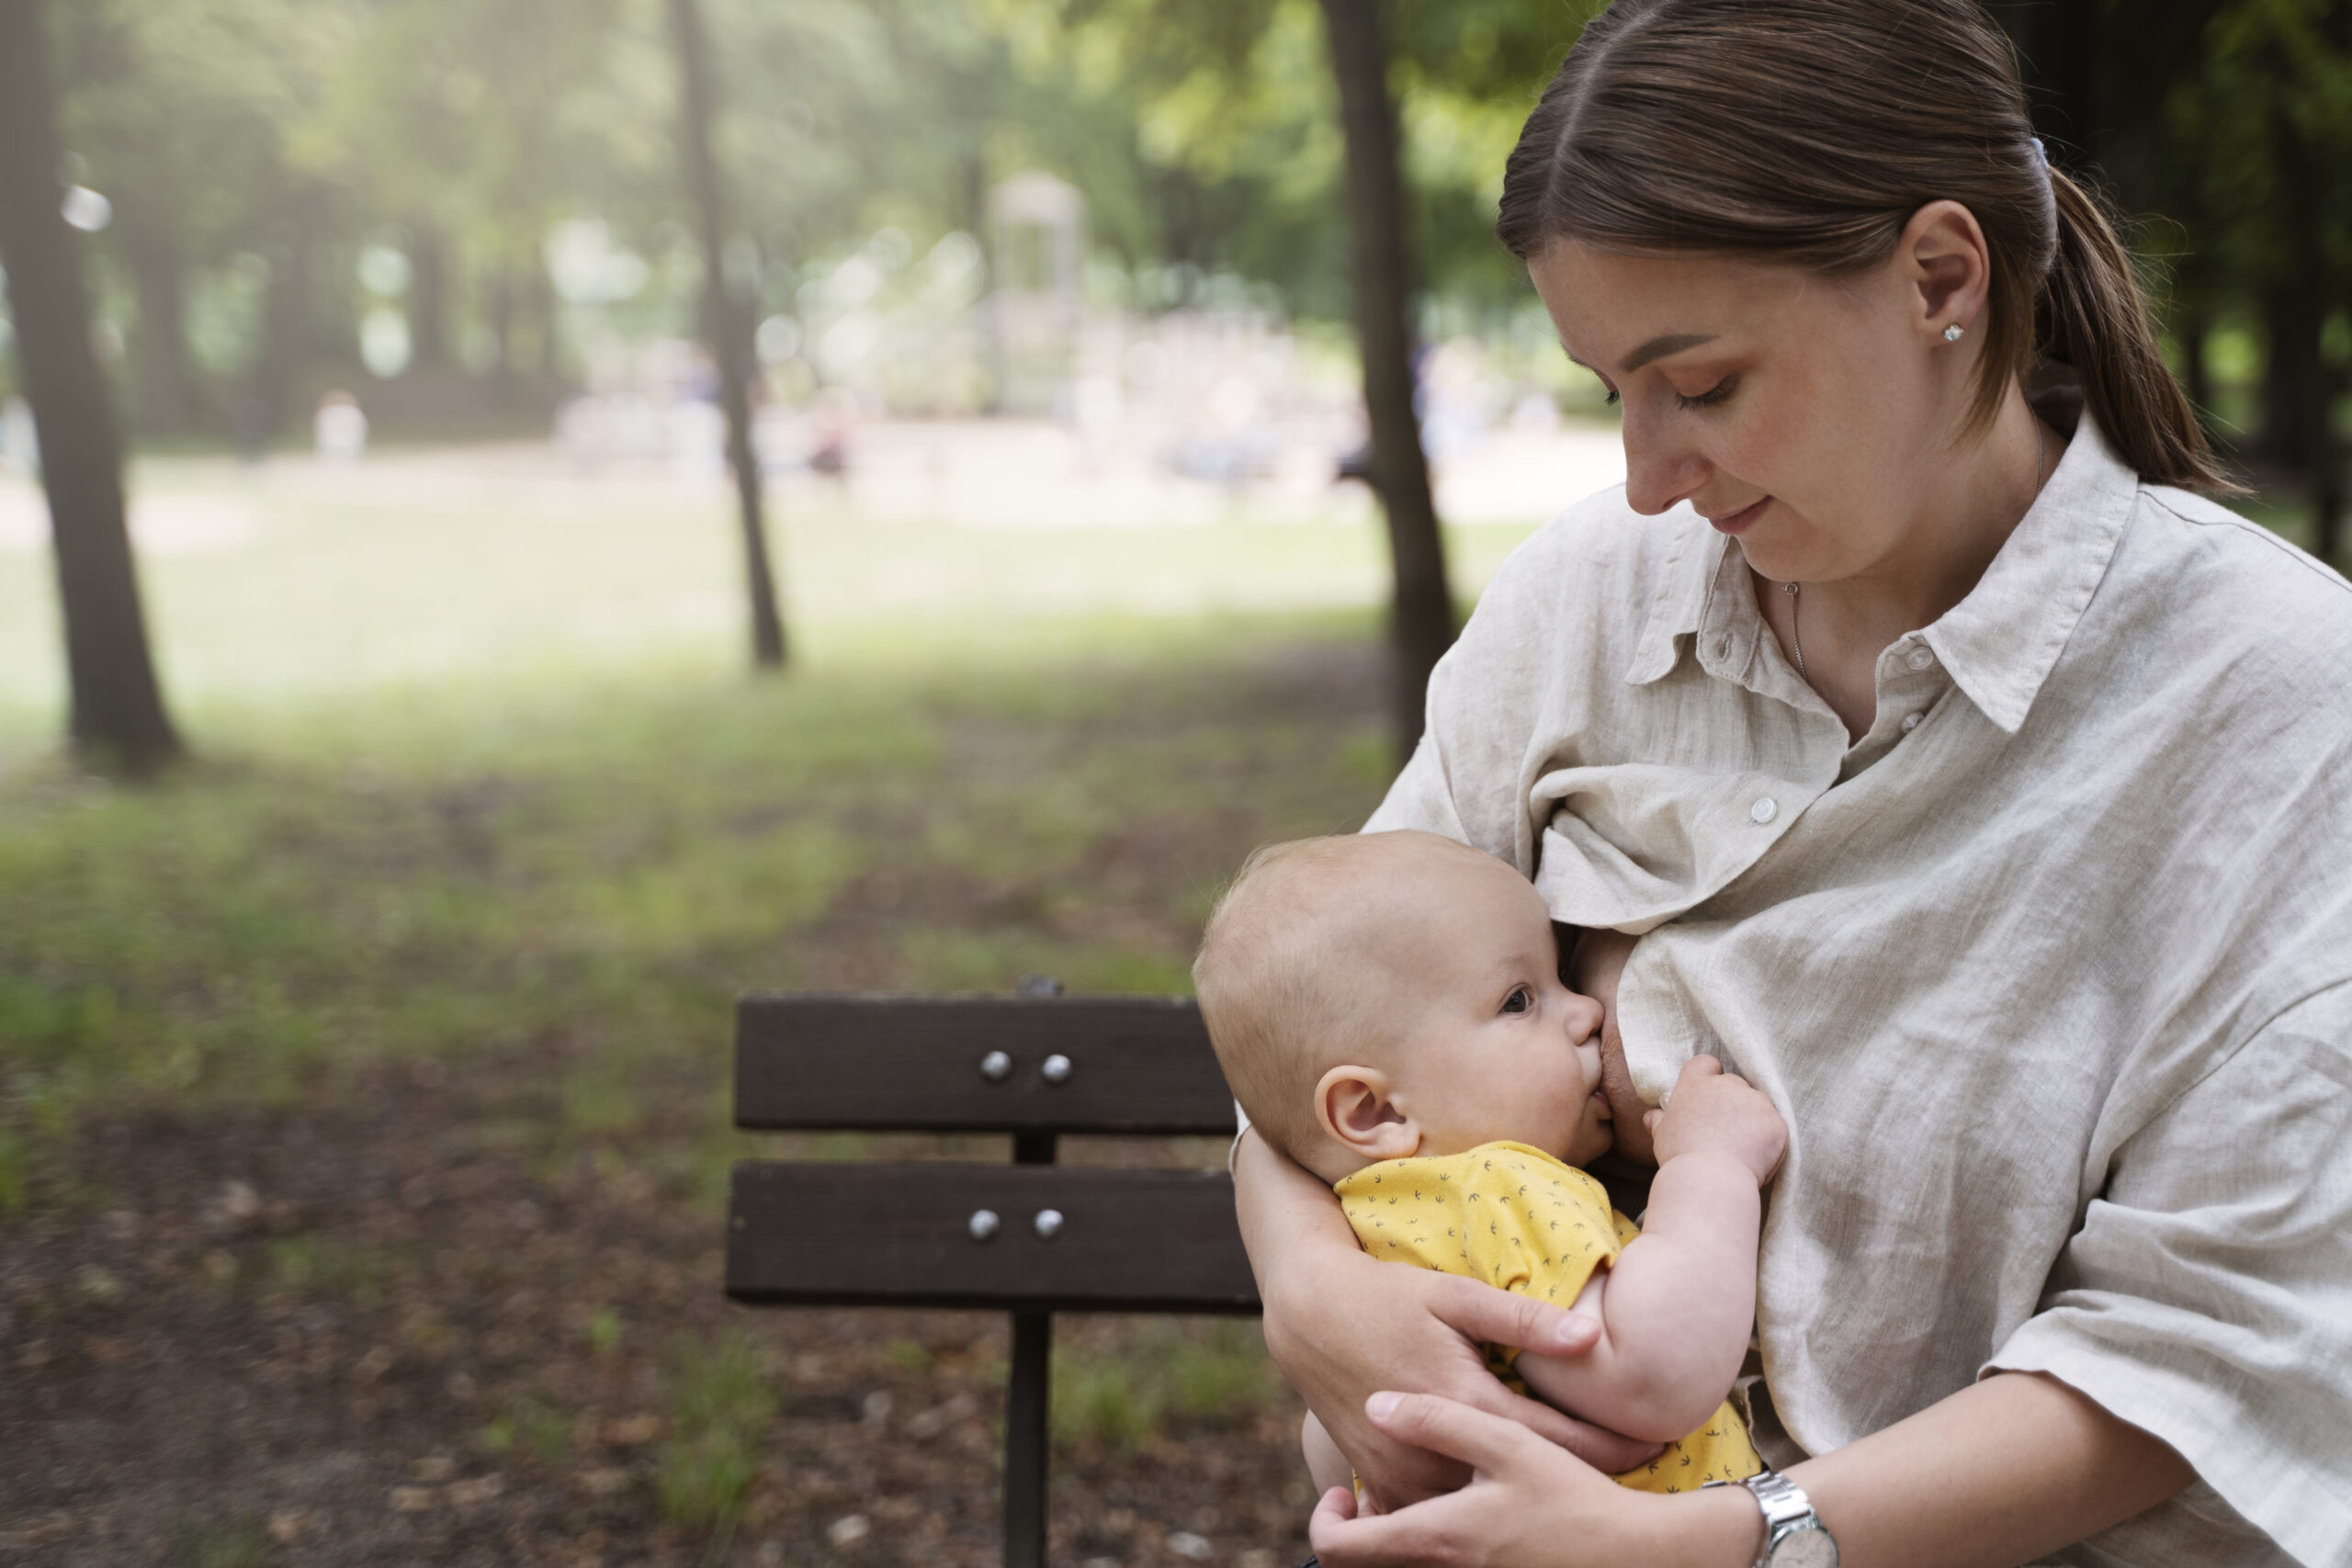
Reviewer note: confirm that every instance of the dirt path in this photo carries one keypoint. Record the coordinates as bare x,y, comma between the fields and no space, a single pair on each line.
379,1337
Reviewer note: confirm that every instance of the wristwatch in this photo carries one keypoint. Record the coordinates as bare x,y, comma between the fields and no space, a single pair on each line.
1794,1536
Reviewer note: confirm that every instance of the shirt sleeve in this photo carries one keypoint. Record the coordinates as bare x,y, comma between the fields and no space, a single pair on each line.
1496,687
2207,1297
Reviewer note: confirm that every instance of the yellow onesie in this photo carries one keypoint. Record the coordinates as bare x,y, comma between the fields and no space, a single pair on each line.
1518,1219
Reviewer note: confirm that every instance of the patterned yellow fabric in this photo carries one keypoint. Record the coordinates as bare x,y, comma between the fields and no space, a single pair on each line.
1515,1217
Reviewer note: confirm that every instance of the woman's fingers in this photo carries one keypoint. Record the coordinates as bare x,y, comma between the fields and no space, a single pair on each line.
1408,1540
1484,1315
1485,1442
1513,1471
1597,1446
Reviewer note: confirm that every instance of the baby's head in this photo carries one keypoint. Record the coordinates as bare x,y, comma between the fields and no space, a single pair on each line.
1383,995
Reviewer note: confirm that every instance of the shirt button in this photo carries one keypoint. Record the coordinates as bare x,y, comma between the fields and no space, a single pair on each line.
1764,810
1919,659
1910,722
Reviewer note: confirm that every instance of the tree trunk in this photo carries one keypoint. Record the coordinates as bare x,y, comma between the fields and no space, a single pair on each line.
167,396
119,714
727,330
2193,326
2294,304
428,298
1421,613
499,308
285,328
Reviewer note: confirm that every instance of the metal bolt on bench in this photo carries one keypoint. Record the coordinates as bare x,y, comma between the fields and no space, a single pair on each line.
1031,1238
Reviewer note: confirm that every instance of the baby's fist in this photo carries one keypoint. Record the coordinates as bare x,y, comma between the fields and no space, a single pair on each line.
1714,1112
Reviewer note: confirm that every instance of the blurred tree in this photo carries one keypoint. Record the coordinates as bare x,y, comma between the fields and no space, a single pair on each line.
476,128
1420,616
181,113
117,708
724,329
2258,141
1215,80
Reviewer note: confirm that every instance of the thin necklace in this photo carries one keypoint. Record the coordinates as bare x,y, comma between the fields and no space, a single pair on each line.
1797,643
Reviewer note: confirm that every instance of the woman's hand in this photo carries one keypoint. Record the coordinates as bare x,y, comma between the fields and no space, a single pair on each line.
2007,1471
1529,1505
1342,1326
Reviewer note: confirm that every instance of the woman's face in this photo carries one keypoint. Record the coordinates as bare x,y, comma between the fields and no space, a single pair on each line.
1812,419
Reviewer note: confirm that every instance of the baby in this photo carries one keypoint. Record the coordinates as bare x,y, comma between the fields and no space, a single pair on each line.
1388,1010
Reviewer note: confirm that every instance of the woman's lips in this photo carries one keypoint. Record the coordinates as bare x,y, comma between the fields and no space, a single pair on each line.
1739,522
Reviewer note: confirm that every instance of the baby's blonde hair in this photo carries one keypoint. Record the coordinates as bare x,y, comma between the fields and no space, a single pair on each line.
1281,974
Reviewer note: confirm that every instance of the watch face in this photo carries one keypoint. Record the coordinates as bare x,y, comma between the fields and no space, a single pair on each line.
1807,1548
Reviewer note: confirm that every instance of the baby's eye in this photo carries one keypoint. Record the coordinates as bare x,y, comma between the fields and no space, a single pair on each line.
1520,1000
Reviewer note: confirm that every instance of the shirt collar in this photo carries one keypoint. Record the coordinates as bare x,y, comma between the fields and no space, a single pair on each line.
2000,642
1679,598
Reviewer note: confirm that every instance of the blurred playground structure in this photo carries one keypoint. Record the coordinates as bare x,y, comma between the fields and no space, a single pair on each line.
1048,401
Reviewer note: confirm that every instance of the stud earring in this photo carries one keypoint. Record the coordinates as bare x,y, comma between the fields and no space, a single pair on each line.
1952,333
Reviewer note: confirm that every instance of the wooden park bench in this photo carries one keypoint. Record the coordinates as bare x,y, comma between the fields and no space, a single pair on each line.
1031,1237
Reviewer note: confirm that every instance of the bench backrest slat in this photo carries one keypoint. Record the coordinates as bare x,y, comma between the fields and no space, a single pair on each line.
902,1235
1139,1065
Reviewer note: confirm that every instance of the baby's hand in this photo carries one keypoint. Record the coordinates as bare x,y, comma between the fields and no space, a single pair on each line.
1717,1111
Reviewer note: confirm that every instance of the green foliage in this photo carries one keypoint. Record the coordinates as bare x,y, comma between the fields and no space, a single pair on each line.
304,1262
534,1428
1214,1374
721,1408
16,1174
232,1543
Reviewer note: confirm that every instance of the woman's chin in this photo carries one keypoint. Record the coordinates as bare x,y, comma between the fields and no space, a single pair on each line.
1772,561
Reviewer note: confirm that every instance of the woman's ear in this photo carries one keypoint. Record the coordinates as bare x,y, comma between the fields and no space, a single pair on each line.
1358,1112
1942,255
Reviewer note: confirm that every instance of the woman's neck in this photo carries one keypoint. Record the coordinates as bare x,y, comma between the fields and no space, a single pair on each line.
1843,625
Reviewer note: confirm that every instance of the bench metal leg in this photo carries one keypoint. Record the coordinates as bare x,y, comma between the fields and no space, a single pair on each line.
1028,1407
1027,1430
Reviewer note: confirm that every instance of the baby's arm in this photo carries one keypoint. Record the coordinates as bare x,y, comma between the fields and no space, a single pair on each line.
1677,1309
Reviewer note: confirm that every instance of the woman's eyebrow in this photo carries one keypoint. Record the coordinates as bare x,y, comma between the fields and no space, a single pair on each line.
1657,348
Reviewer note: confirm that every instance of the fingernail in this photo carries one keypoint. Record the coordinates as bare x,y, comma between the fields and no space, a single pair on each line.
1571,1329
1380,1406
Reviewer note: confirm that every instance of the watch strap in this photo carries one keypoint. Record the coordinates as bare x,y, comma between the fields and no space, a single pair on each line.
1787,1512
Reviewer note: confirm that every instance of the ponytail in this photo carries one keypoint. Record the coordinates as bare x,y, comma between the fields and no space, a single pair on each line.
2093,317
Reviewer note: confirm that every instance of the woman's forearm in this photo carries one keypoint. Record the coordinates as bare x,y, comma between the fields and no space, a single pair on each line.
2003,1472
2007,1471
1284,1211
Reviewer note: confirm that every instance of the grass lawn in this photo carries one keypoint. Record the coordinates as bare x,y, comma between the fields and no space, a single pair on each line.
376,1060
477,766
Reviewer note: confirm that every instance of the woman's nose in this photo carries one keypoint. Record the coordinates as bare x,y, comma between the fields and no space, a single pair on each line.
1659,471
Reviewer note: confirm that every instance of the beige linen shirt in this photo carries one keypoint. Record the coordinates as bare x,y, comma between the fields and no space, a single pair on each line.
2051,973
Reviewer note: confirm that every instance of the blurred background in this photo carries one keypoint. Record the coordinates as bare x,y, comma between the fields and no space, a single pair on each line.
631,500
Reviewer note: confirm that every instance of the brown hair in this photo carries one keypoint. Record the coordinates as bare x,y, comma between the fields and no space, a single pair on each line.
1807,132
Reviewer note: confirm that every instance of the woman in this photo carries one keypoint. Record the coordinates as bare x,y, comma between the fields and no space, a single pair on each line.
1984,798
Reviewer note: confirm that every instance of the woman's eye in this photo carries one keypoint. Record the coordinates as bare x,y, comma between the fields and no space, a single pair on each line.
1520,1000
1712,396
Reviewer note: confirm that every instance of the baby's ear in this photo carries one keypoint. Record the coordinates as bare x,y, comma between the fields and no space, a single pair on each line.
1355,1109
